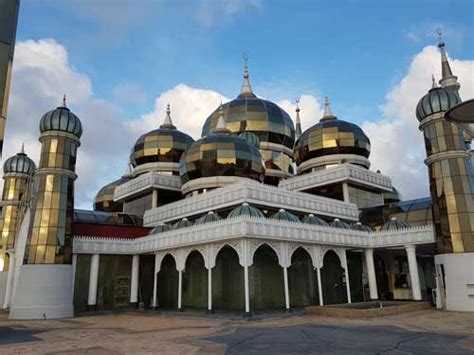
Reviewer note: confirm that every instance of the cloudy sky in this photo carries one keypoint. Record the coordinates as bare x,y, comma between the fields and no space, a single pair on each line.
121,61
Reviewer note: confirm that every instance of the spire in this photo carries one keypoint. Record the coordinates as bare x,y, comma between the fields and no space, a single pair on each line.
298,120
64,101
328,115
168,123
22,150
448,80
246,90
221,126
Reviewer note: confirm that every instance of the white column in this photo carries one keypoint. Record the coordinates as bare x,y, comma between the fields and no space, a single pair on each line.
413,268
74,265
180,284
155,281
320,287
154,199
10,277
346,272
134,281
209,290
287,291
93,279
247,291
345,191
369,263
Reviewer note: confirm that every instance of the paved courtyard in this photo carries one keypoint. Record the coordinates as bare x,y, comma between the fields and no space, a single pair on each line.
421,332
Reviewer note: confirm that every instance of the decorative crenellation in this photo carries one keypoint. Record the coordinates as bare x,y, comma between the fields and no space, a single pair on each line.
252,193
147,181
257,231
342,173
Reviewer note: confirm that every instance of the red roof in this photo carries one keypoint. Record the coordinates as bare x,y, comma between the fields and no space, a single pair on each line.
108,231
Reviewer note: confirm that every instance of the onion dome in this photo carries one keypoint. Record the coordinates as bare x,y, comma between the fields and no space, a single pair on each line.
104,199
61,119
160,229
160,149
437,100
250,138
394,224
19,164
312,219
246,210
272,125
220,154
182,224
361,227
283,215
209,217
329,142
337,223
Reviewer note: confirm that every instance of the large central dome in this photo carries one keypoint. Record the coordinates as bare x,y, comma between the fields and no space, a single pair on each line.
272,125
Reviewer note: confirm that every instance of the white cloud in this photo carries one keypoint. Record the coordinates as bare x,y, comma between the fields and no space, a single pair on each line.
311,110
189,109
210,13
130,92
397,144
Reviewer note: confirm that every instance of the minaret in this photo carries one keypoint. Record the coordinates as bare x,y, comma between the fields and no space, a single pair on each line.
18,171
48,253
298,120
448,80
450,170
246,91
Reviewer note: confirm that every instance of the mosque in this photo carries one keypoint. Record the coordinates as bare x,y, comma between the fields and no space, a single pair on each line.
257,214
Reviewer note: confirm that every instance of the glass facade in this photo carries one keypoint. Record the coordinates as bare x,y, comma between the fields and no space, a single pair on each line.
277,160
58,153
221,155
161,145
138,206
363,198
50,240
331,136
8,23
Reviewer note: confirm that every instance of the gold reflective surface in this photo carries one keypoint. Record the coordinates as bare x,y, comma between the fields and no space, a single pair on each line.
104,200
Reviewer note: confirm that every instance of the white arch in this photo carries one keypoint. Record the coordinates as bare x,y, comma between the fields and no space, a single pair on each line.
295,247
341,254
163,256
217,249
257,244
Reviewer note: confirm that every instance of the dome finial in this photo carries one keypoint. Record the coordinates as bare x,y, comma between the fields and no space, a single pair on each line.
64,101
434,85
298,130
168,123
22,150
328,115
448,80
246,90
221,124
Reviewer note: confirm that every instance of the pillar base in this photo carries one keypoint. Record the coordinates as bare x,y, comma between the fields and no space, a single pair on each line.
133,305
155,309
209,311
288,310
247,315
180,309
91,307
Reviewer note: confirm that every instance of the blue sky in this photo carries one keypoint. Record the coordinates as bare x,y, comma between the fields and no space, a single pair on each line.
122,61
352,51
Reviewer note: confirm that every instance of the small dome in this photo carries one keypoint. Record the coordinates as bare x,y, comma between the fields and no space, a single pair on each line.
104,200
337,223
312,219
208,217
19,163
361,227
331,136
163,145
394,224
160,229
246,210
221,154
61,119
283,215
435,101
250,138
182,224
